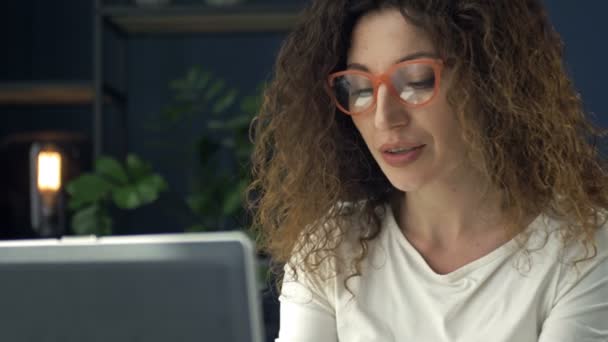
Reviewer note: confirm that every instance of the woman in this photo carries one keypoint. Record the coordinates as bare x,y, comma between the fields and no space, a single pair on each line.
424,169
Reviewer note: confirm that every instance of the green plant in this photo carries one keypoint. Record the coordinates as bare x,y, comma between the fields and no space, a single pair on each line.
223,148
127,186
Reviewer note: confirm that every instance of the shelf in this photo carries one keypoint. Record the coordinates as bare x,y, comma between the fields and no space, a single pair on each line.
201,19
52,93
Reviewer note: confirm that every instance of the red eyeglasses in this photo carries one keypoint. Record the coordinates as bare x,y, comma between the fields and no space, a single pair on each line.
415,83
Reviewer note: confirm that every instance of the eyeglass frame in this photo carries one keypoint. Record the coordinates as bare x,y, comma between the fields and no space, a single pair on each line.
378,79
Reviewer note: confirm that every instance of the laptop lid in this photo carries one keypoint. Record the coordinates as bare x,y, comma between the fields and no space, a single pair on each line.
175,287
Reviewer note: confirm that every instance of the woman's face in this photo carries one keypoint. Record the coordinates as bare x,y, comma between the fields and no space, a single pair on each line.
381,39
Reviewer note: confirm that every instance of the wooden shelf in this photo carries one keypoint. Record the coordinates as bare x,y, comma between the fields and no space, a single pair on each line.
201,19
48,93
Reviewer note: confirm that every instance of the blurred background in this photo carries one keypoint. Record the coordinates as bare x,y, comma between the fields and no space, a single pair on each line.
171,84
131,117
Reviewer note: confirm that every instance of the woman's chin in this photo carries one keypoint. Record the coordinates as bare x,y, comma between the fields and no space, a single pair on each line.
406,184
407,179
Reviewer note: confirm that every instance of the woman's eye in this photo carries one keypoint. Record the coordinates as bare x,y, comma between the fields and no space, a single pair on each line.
362,93
424,84
361,98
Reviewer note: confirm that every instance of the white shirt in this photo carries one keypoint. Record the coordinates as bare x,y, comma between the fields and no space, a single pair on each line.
505,296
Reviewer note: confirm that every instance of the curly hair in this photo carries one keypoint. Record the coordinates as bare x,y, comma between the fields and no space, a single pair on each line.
522,121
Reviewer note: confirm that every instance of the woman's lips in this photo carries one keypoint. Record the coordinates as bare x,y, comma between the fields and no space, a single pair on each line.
404,158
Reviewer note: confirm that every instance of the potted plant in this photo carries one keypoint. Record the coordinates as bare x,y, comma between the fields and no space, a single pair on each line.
223,148
111,185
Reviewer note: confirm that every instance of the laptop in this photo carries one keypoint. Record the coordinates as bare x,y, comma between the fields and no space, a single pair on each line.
171,287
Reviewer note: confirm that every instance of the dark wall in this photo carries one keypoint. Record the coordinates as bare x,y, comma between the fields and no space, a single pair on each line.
584,28
62,39
45,41
16,32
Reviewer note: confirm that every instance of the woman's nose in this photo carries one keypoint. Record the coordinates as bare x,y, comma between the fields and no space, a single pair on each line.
390,112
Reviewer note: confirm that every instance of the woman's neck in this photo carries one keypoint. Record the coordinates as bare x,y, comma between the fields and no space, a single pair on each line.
446,212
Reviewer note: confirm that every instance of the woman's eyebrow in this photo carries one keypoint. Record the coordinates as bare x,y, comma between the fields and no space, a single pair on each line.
415,55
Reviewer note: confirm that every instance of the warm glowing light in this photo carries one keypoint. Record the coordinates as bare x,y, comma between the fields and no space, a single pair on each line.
49,171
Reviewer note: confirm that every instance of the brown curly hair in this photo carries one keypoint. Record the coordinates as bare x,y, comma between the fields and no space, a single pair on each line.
522,121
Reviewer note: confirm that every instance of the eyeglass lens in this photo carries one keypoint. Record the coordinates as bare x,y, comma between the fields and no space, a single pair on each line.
414,84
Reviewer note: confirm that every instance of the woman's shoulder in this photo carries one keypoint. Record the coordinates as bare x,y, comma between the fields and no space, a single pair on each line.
575,258
339,240
570,245
580,267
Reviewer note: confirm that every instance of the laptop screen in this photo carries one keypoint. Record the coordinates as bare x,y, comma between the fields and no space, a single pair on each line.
192,287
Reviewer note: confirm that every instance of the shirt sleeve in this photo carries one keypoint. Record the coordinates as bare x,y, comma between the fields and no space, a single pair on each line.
580,313
306,311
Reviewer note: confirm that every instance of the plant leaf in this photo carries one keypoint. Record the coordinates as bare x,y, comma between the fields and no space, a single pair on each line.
126,197
214,90
234,198
226,101
111,169
201,82
192,74
137,168
146,192
251,104
87,189
228,142
197,202
216,125
91,220
176,112
149,188
159,182
238,123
